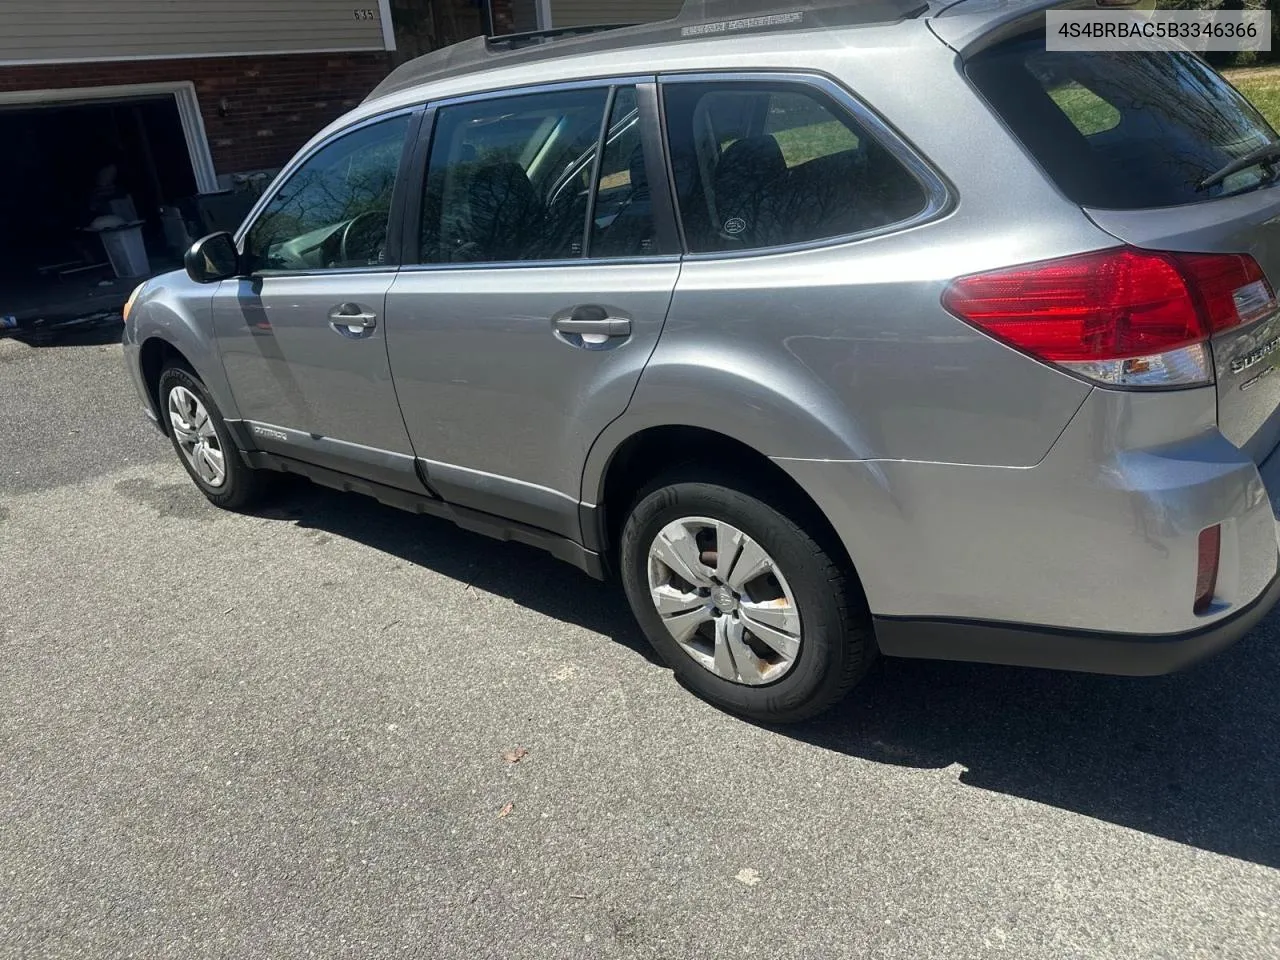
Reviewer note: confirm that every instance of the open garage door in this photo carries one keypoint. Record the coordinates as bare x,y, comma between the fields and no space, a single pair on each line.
71,159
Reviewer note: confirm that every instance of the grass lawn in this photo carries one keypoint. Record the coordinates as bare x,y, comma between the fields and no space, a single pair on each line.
1262,86
1092,115
1087,111
802,144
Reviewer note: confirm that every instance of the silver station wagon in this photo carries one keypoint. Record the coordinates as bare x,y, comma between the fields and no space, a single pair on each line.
831,331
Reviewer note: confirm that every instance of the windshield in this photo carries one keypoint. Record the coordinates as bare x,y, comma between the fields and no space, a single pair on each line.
1123,130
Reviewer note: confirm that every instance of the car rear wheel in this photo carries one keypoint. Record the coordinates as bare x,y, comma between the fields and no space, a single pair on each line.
205,445
743,603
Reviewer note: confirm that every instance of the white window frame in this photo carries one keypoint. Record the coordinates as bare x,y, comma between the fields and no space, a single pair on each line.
183,93
388,25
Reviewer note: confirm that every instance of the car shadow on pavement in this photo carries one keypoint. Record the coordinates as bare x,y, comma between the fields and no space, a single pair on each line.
522,574
1190,757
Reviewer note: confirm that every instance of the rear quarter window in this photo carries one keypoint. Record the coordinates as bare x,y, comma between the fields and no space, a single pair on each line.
1124,131
762,163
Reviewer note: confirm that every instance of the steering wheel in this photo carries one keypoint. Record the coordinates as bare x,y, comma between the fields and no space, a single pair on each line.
374,225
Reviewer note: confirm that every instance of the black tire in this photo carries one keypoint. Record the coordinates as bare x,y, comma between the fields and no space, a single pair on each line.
837,645
243,487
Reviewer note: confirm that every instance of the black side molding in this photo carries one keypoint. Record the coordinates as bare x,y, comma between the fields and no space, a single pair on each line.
487,524
1018,645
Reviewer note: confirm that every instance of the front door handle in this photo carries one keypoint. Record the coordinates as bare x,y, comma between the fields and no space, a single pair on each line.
351,315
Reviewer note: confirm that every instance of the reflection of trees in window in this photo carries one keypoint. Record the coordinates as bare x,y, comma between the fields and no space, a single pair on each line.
623,223
1180,123
497,187
346,180
796,169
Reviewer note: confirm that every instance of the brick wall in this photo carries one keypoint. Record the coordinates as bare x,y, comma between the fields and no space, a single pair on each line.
257,110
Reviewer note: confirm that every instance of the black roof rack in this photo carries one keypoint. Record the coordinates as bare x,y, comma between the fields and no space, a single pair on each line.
699,19
517,41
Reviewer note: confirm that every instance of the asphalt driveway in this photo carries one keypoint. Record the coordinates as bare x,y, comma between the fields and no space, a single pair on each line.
283,735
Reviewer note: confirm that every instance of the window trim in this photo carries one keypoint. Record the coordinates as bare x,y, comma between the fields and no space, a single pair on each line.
662,195
650,125
597,167
395,219
938,195
579,166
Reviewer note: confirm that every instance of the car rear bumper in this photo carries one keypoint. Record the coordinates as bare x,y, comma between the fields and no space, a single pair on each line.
1025,645
1071,561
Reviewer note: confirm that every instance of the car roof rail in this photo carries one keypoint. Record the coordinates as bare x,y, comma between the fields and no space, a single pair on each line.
698,19
786,12
516,41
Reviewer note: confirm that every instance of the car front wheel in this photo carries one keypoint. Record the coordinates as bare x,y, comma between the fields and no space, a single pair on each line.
204,443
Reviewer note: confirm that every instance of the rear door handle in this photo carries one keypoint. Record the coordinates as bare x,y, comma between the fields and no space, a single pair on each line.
590,320
351,315
608,327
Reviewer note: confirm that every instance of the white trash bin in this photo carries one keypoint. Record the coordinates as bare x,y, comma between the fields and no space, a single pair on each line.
125,249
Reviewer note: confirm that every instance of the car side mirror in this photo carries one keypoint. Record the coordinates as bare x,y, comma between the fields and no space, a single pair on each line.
213,258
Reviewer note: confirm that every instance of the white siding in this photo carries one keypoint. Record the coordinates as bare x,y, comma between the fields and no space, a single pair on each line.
573,13
37,31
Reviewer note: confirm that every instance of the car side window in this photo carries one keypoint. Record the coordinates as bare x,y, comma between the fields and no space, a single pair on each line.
333,211
765,164
623,223
509,178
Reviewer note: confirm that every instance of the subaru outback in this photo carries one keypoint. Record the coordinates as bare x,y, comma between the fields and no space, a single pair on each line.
831,331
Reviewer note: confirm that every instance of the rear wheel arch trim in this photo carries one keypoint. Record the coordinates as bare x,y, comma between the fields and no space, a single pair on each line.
602,520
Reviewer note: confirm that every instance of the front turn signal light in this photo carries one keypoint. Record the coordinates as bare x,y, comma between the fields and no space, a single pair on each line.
128,304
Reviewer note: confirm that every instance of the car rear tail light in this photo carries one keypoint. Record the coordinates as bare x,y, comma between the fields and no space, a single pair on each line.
1233,287
1121,317
1207,567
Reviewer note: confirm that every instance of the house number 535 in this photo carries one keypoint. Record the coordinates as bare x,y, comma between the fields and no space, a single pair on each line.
365,13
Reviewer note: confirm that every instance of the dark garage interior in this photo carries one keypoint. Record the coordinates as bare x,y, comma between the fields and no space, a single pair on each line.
63,166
